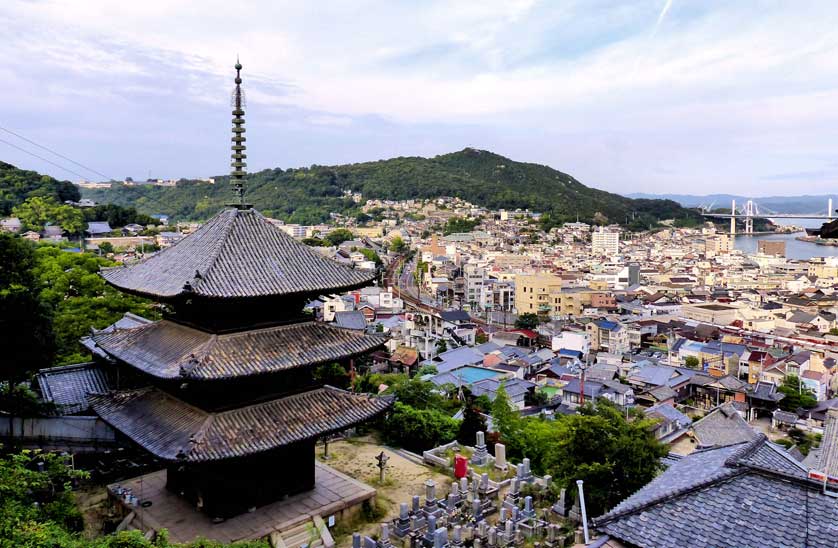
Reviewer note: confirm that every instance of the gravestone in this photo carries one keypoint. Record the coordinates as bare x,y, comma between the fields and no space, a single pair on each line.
500,457
481,454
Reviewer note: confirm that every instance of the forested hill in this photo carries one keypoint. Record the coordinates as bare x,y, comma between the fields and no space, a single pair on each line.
308,195
16,185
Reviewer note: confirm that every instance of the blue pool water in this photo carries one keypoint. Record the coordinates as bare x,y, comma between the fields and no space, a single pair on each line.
471,375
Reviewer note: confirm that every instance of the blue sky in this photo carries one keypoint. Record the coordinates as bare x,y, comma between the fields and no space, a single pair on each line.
661,96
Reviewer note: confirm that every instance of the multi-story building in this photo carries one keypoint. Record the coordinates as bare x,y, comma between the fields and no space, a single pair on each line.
474,277
608,336
772,247
532,292
605,242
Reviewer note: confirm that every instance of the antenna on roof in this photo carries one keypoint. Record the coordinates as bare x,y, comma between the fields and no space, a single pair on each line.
238,148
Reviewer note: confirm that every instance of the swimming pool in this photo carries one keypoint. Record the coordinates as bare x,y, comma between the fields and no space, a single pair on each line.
471,374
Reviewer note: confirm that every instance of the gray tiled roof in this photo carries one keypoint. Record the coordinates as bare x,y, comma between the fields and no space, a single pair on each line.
750,495
351,319
68,386
172,429
237,253
722,426
170,350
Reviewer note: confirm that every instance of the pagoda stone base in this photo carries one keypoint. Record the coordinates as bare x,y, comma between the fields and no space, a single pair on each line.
334,494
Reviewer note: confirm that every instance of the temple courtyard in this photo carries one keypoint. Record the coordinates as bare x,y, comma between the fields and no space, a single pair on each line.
346,478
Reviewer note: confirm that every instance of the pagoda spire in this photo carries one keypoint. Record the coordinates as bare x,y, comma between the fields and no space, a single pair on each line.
238,163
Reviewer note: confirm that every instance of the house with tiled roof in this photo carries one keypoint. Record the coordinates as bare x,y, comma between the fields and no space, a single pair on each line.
722,426
752,494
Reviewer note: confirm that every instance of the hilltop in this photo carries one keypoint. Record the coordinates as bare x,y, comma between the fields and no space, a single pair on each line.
16,185
307,195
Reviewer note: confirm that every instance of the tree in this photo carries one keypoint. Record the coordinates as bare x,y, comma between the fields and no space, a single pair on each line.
441,346
472,423
539,397
613,456
16,185
338,236
25,323
797,395
370,255
29,496
37,509
691,362
36,212
333,374
504,418
459,224
419,429
398,245
427,370
527,321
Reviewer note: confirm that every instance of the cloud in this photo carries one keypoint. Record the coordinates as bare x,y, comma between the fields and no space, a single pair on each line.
725,92
666,6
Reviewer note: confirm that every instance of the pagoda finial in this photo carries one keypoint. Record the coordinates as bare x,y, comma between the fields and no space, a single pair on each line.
238,163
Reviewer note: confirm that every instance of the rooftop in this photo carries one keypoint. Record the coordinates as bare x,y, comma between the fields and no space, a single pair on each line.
751,494
169,350
236,254
173,430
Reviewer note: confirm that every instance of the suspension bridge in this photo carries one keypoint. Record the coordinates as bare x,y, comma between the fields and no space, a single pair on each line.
752,210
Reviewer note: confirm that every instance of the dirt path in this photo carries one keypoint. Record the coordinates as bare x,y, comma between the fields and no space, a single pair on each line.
404,478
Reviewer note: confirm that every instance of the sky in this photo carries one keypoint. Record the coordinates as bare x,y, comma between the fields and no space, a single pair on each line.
659,96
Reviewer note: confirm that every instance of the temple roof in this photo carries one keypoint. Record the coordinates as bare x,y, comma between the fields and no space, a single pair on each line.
170,350
236,254
174,430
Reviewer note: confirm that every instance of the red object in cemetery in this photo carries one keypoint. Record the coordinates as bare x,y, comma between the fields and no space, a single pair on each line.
460,466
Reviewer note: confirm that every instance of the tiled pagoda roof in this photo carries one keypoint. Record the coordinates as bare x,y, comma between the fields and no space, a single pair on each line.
236,254
169,350
174,430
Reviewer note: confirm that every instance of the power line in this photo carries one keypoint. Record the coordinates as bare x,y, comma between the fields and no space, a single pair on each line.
43,159
56,153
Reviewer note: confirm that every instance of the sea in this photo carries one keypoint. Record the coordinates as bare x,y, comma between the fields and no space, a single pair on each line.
795,249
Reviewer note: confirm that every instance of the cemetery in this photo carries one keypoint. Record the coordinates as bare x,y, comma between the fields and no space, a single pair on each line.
516,508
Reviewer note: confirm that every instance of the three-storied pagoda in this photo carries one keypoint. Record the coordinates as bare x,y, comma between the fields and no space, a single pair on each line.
222,388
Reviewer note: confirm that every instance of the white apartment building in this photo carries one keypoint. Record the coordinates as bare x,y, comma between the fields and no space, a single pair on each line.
605,242
474,277
295,231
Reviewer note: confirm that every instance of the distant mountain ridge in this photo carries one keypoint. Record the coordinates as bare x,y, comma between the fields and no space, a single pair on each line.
307,195
807,203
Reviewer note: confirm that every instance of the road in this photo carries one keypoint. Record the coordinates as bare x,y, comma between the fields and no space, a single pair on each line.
404,287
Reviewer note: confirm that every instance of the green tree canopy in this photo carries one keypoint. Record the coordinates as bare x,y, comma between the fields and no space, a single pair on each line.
797,395
338,236
459,224
398,245
419,429
472,423
37,212
691,362
527,320
25,322
370,255
79,299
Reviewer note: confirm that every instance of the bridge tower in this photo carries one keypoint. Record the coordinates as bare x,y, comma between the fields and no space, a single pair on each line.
829,209
733,219
749,217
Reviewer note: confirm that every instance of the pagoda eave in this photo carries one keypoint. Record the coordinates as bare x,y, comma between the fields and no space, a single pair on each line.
176,431
172,351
